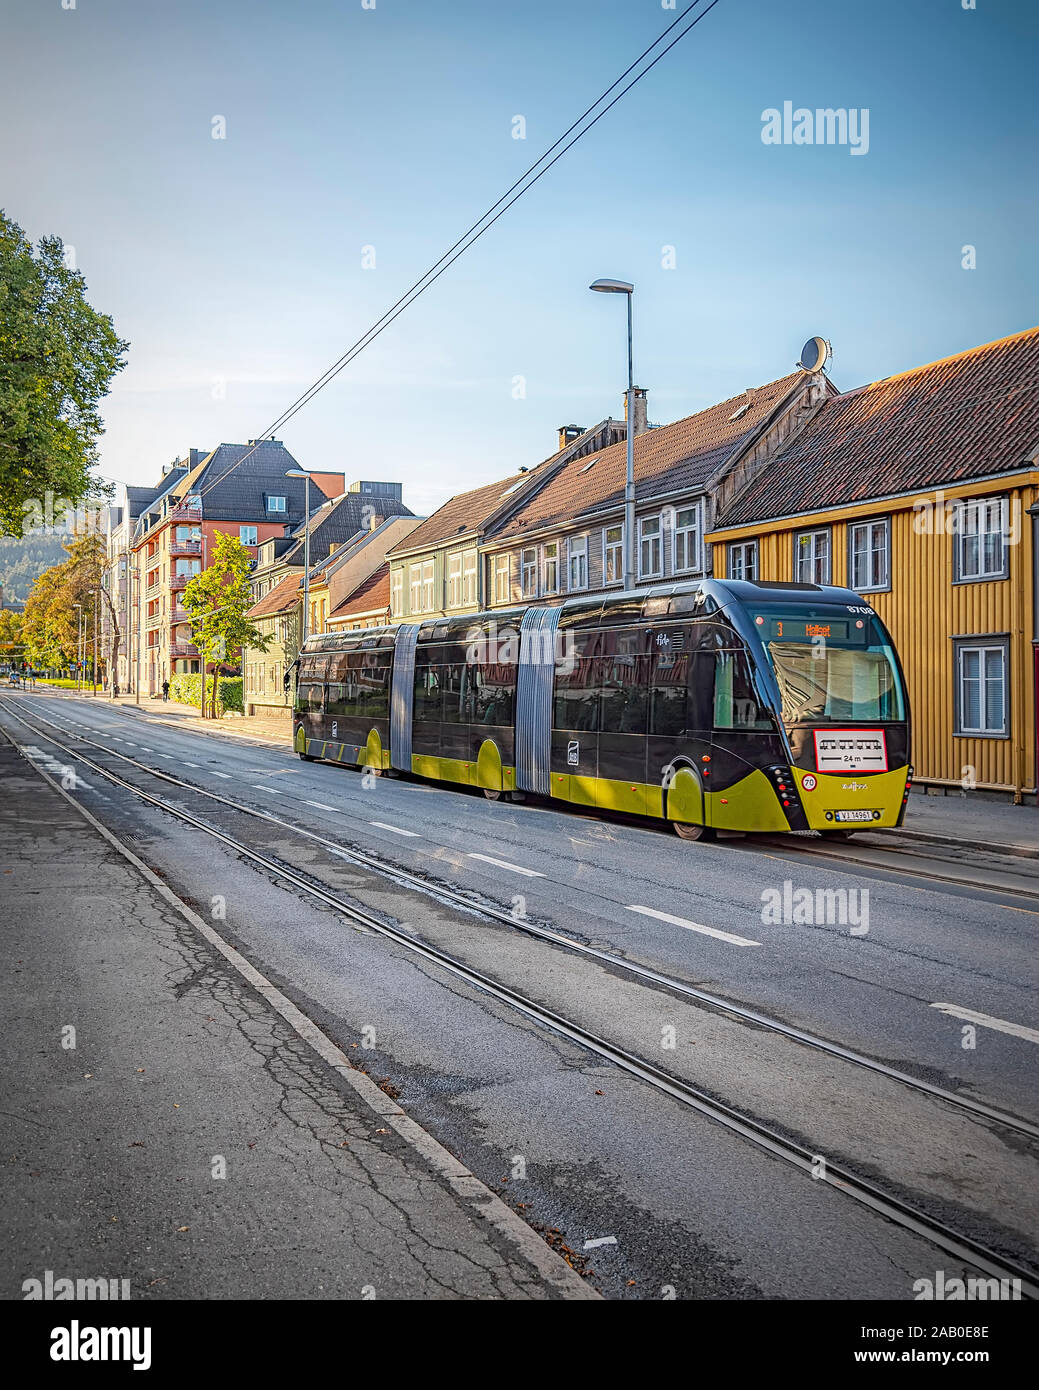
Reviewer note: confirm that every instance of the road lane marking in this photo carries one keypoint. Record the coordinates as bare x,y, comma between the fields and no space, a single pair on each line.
225,775
693,926
166,755
381,825
600,1240
1000,1025
321,806
270,790
187,764
504,864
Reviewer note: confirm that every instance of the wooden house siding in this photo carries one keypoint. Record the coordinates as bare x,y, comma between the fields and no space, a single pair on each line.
926,610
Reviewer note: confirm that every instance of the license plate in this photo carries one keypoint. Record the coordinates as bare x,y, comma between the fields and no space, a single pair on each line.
853,815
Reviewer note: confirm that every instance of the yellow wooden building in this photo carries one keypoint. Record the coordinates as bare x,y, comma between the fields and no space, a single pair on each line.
921,493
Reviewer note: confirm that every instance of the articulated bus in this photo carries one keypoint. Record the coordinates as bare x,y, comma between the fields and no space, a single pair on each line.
720,705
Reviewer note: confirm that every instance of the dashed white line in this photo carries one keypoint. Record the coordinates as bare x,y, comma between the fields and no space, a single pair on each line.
187,764
600,1240
504,864
693,926
321,806
225,775
1000,1025
259,788
397,830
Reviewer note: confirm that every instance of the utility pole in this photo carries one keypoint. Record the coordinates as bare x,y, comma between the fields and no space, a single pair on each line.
79,642
97,607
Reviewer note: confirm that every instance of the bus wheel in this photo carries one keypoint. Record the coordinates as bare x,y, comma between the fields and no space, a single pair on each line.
494,794
685,831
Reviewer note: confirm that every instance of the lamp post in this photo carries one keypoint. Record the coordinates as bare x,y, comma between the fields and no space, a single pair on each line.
79,642
625,288
301,473
93,668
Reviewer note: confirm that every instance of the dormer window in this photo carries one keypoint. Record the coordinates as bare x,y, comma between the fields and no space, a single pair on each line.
276,504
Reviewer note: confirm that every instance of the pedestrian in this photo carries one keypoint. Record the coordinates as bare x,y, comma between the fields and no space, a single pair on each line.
165,691
115,690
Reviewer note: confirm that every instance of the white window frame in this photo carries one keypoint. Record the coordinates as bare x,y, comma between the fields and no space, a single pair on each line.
691,530
613,555
743,555
415,585
469,561
454,580
818,559
656,536
984,650
244,531
878,572
976,519
428,586
396,592
502,568
277,504
577,551
547,559
529,571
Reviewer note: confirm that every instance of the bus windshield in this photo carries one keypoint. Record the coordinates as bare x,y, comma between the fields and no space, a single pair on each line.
832,666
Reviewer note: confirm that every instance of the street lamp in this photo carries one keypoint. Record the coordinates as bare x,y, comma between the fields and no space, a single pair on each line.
93,669
623,287
301,473
79,643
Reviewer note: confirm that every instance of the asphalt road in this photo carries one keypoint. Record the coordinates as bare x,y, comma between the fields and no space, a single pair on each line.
688,1206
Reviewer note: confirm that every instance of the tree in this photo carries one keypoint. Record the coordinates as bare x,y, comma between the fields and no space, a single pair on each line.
11,646
217,600
51,626
58,356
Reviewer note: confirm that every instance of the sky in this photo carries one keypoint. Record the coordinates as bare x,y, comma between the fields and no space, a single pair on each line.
239,268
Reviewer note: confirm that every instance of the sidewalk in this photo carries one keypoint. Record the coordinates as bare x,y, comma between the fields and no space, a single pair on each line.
170,1120
975,821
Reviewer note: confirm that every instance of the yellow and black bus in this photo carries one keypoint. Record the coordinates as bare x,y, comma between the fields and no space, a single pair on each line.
720,705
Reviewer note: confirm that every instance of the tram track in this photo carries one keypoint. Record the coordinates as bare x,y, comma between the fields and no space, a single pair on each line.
471,904
863,1191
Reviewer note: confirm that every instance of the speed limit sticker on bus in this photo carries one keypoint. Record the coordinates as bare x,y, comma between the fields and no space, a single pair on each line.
850,750
808,782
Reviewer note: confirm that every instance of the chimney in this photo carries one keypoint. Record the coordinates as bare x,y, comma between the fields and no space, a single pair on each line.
641,424
568,433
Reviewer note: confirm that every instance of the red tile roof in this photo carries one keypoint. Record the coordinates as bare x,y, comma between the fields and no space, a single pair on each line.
371,594
461,514
681,455
974,415
280,599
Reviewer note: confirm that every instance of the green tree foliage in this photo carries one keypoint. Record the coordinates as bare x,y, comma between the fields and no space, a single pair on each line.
58,356
22,559
217,600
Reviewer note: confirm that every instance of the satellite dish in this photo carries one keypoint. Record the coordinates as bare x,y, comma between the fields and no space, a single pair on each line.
814,355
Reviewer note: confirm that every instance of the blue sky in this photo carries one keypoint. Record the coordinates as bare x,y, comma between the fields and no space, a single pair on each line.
235,266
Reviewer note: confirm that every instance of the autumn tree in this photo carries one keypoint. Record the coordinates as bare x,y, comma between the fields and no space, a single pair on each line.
12,649
58,356
51,623
217,600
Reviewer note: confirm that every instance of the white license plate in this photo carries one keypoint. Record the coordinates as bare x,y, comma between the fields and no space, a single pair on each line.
853,815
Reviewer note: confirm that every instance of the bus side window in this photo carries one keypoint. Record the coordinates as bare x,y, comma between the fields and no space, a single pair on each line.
670,684
735,703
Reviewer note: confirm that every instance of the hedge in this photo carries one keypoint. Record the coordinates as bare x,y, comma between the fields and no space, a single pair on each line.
187,690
